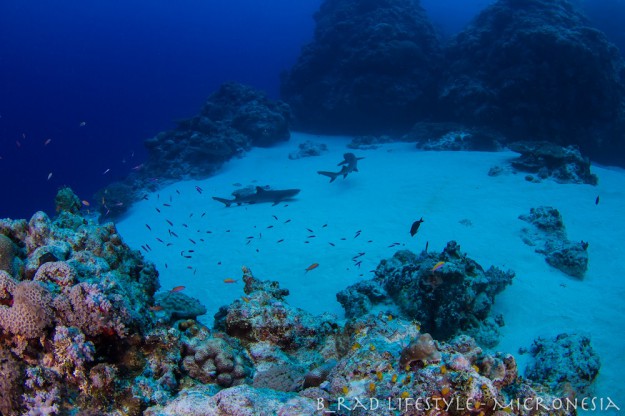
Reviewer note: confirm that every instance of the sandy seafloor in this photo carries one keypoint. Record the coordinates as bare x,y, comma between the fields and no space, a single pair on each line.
396,184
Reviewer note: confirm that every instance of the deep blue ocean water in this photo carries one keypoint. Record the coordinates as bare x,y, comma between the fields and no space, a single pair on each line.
95,79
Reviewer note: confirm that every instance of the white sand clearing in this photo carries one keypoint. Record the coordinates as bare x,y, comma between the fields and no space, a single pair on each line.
374,208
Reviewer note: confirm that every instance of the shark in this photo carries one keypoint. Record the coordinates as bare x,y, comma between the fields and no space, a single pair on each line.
349,164
259,195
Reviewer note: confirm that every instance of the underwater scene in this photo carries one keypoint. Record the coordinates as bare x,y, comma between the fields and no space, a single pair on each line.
312,207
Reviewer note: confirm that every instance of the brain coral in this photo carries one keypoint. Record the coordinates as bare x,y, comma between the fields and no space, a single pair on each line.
30,312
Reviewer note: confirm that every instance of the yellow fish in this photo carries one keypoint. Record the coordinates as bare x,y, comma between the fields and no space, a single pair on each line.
438,266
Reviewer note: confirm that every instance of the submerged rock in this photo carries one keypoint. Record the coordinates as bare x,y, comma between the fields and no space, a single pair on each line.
549,235
452,298
563,164
565,362
371,68
537,69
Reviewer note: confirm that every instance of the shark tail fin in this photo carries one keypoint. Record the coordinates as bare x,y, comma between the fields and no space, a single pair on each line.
224,201
331,175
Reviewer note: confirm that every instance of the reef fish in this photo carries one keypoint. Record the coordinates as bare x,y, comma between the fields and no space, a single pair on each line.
177,289
438,266
311,267
415,227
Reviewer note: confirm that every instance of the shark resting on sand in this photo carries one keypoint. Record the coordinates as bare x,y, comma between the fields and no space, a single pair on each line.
350,164
259,194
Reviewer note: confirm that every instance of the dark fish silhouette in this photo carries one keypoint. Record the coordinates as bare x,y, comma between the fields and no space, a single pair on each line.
261,195
349,163
597,200
415,227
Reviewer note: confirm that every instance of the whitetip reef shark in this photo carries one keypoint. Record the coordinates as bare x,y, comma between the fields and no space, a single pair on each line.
260,195
350,164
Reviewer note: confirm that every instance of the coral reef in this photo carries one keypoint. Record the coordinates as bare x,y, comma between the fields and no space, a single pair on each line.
452,136
79,336
549,233
233,119
455,297
567,362
371,67
563,164
537,70
9,261
176,305
83,296
308,149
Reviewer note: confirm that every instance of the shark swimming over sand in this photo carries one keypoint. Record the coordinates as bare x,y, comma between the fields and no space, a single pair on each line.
350,164
259,194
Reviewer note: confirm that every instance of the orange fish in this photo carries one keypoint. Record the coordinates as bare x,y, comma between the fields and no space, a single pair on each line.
312,266
229,280
85,202
156,308
177,289
438,266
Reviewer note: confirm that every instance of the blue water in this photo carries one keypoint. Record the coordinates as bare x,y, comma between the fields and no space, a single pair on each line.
127,70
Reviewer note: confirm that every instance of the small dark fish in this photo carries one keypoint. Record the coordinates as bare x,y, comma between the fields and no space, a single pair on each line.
189,267
159,240
270,226
145,197
249,237
324,225
415,227
202,216
191,251
192,241
190,215
584,245
198,189
309,230
166,266
174,234
343,238
311,236
169,244
369,241
143,247
157,210
248,242
597,200
170,223
332,244
274,217
280,240
187,257
148,246
177,191
185,225
427,244
358,263
287,221
166,205
148,227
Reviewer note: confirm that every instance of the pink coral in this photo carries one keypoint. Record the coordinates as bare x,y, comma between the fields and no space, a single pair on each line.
87,308
30,313
58,272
